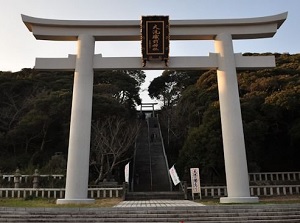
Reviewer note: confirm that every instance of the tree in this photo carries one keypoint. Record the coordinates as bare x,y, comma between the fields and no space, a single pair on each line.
169,86
195,99
124,86
270,110
35,108
203,147
13,104
112,140
270,107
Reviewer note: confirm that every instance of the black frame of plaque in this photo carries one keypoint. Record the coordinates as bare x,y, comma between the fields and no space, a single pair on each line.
155,37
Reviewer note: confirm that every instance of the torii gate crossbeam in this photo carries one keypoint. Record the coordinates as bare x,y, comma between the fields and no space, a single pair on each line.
221,31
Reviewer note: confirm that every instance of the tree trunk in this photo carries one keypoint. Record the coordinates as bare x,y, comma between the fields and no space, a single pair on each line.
100,175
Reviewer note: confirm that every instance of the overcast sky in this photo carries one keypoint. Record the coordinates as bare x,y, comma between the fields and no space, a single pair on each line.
18,47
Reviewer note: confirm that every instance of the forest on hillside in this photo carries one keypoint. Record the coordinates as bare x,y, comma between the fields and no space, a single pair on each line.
270,104
35,109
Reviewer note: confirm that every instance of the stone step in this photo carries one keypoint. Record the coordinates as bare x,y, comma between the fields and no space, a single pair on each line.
226,213
148,216
170,195
179,219
169,221
149,163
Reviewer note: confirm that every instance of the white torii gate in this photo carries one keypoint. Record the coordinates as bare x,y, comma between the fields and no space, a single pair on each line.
221,31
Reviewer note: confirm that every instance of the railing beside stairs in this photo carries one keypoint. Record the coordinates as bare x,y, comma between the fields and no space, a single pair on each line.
164,152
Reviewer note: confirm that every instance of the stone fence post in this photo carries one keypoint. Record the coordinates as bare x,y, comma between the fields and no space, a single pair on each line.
36,178
17,177
125,190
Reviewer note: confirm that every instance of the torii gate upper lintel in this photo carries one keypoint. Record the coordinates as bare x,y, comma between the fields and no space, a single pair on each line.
221,31
129,30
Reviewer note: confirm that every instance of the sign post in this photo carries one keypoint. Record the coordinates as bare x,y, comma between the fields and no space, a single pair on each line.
195,181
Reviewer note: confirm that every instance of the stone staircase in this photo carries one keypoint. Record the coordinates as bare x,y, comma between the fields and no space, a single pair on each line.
213,214
160,171
142,163
150,176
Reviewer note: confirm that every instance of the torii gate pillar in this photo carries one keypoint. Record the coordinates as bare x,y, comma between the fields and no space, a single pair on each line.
231,120
80,126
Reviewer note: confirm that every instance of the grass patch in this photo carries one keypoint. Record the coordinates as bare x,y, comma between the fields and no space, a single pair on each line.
288,199
45,203
211,201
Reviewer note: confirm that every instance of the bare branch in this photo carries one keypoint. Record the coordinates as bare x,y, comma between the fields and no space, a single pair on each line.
112,138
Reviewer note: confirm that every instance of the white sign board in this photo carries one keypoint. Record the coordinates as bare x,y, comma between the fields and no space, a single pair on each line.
174,176
126,171
195,180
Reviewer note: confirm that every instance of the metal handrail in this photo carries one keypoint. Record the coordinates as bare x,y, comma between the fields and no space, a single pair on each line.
150,159
164,152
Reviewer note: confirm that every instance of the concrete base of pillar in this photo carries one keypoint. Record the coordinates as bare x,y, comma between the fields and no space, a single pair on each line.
75,201
228,200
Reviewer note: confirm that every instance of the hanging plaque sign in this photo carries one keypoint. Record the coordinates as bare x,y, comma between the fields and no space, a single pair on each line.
155,38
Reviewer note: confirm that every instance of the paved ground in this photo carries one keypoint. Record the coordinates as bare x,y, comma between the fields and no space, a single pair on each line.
157,203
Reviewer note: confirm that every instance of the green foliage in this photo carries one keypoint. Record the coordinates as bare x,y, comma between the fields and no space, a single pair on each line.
270,108
270,105
35,115
35,112
203,148
169,86
56,165
30,198
122,85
